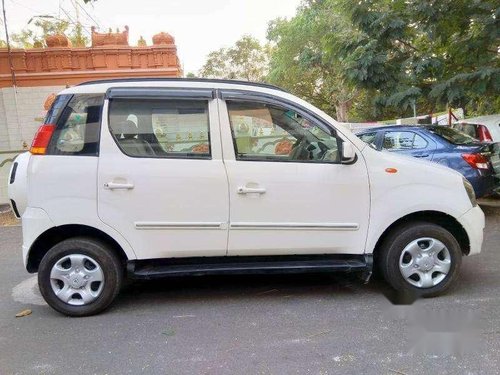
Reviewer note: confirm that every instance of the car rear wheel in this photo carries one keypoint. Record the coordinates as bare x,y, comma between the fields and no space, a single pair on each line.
420,258
80,276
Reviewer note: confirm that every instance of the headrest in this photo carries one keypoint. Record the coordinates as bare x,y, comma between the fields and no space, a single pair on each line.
127,129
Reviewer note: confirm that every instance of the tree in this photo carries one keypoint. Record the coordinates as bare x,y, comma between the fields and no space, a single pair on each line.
28,38
299,63
246,60
25,39
434,53
77,37
141,42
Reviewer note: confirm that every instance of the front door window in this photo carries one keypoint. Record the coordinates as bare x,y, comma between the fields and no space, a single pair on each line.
268,132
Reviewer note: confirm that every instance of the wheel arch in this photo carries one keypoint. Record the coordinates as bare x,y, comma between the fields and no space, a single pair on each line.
54,235
446,221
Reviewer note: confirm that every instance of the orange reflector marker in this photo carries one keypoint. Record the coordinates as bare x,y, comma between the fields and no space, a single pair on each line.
391,170
42,139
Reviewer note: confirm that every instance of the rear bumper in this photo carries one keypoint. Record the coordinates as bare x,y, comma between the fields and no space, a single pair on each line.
484,183
473,222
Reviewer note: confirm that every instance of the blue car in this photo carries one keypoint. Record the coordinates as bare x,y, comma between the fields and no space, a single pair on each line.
442,145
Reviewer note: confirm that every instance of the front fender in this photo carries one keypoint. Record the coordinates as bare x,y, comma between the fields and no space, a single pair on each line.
393,204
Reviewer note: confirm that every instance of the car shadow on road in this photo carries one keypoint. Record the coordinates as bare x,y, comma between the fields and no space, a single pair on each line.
343,287
248,287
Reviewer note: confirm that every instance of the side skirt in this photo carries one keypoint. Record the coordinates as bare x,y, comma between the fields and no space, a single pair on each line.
149,269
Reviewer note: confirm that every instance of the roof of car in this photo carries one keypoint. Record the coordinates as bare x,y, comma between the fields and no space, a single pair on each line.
391,127
216,82
482,120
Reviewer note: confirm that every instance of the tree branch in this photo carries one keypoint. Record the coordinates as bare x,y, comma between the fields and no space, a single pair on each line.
407,45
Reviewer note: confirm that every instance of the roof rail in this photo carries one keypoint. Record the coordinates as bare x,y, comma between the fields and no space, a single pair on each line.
172,79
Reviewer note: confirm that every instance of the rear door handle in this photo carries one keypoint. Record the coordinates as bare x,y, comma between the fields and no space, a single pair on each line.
421,155
118,186
247,190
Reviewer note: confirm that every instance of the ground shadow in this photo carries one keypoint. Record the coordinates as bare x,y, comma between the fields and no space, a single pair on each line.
249,287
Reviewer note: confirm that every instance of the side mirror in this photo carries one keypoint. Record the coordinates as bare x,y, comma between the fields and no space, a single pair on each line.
348,153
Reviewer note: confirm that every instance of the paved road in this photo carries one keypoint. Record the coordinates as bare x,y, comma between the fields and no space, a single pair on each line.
257,325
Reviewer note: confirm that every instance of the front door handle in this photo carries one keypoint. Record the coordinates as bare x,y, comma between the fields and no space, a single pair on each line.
248,190
118,186
421,155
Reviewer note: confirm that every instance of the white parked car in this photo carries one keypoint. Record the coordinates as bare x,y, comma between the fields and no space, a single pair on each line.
483,128
146,178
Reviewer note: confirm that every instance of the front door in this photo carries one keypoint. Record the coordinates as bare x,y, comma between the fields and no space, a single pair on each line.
162,182
289,193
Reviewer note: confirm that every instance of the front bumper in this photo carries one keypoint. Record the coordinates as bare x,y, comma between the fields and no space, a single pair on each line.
473,222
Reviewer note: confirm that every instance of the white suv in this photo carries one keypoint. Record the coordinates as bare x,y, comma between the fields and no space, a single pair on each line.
148,178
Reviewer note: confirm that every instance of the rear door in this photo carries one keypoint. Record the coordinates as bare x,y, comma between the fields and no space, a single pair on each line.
408,142
162,182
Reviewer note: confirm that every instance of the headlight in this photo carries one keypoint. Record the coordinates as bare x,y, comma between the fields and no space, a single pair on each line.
470,192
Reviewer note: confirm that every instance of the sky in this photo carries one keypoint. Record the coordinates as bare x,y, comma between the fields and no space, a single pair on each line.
198,26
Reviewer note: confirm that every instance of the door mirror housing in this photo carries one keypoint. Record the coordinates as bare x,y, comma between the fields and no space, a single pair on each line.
348,153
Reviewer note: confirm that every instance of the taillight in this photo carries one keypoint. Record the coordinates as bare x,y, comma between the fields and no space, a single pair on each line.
42,139
484,134
476,161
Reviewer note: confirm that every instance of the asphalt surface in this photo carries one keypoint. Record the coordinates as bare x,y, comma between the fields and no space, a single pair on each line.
257,325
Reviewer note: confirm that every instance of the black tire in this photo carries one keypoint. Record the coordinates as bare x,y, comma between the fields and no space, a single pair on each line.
393,246
109,263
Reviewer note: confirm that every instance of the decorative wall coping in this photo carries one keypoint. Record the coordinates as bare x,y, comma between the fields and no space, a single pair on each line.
69,66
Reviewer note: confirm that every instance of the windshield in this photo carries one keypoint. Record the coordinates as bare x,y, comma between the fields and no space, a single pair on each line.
452,135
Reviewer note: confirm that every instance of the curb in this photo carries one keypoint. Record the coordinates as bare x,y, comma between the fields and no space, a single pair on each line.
489,202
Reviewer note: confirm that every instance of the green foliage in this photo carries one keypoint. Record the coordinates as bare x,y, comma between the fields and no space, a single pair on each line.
246,60
25,39
141,42
300,63
441,53
77,37
28,38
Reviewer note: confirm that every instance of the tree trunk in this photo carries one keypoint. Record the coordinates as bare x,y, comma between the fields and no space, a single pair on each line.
342,109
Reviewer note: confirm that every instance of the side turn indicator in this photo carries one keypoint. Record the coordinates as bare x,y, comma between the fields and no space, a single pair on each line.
391,170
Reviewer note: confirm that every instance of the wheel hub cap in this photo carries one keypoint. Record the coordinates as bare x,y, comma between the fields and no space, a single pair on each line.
425,262
77,279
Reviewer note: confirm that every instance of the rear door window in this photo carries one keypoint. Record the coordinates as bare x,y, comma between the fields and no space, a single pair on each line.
78,125
419,142
161,128
404,140
398,140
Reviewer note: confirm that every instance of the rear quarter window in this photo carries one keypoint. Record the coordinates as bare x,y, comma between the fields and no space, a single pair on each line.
56,108
78,125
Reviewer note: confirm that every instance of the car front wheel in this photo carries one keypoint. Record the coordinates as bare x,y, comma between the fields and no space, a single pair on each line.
80,276
420,258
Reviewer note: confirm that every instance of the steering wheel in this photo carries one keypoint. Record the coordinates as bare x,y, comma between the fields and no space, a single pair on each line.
305,150
317,150
298,150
